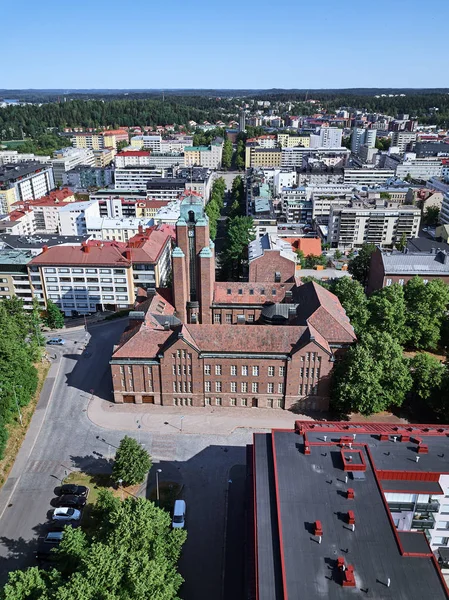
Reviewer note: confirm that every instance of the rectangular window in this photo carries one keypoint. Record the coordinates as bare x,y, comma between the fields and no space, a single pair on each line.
179,387
250,319
312,372
217,318
174,386
401,282
174,369
244,370
255,388
255,371
229,318
244,387
270,388
300,389
280,388
207,369
278,403
218,386
189,386
440,541
307,372
233,369
307,356
189,369
270,403
207,386
270,371
179,369
388,282
317,373
217,401
233,386
244,402
312,356
206,401
217,369
232,401
301,372
281,371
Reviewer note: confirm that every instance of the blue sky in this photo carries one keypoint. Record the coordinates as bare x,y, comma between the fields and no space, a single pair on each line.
231,44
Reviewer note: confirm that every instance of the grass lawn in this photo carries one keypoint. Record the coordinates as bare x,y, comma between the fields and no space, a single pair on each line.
16,431
12,144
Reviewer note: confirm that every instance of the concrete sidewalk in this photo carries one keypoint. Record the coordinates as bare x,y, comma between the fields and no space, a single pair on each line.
167,419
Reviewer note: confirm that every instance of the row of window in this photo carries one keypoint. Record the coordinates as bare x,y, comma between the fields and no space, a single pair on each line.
244,370
181,354
228,318
244,388
401,281
271,403
74,270
312,373
182,387
308,389
182,369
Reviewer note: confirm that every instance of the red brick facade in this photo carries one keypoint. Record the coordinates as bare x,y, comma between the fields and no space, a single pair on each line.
265,267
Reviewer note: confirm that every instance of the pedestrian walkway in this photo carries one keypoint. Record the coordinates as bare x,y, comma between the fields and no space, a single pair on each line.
175,420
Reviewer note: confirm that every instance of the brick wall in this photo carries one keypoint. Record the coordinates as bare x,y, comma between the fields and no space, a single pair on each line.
265,267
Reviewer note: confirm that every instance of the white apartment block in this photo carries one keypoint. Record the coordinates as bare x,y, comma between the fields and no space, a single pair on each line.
136,178
176,145
367,176
132,158
73,216
326,196
147,142
419,168
12,156
402,139
327,137
361,136
19,223
67,159
167,160
444,212
298,157
282,179
361,223
110,228
204,156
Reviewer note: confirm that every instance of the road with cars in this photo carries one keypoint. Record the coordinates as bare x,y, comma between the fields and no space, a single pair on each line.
68,440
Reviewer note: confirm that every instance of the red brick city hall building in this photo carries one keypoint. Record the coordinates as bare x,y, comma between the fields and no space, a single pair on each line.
228,344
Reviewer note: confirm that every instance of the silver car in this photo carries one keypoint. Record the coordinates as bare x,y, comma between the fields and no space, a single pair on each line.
66,514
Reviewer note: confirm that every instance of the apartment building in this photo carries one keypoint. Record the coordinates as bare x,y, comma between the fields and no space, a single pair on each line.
24,181
84,279
14,279
198,180
119,229
258,156
18,222
166,188
286,140
66,159
176,144
204,156
82,179
149,208
12,156
403,140
46,209
367,176
132,158
362,137
135,177
110,193
94,141
72,217
104,157
300,157
382,224
150,254
327,137
296,208
419,168
147,142
167,160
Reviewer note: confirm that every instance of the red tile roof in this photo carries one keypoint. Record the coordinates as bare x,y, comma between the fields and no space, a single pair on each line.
103,255
307,245
146,246
261,292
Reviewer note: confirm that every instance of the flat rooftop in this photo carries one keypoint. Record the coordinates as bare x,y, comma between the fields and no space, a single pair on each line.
37,241
293,490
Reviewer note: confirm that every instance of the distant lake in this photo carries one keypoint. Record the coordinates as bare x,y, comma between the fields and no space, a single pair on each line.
11,101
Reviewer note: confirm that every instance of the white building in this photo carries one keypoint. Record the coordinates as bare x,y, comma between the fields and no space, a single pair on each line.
168,214
382,224
24,181
327,137
67,159
367,176
117,229
282,179
325,196
176,145
18,222
419,168
72,217
136,178
132,158
12,156
147,142
403,140
300,157
361,136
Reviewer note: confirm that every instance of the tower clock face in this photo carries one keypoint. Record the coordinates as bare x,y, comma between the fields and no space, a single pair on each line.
191,233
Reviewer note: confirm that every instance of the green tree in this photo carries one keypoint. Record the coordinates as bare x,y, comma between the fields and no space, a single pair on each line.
240,233
353,299
372,377
312,261
132,462
226,157
53,316
240,156
427,373
338,254
431,216
122,144
402,243
387,309
426,311
213,212
359,265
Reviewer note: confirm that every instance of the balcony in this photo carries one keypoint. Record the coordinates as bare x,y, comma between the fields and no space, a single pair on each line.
423,522
425,507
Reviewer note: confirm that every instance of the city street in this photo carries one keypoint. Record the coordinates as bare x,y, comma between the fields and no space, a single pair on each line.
68,439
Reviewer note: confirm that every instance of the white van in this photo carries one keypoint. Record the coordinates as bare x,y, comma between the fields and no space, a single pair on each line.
179,515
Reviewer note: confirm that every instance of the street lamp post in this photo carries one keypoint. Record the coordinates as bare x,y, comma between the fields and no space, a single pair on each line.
17,404
157,485
120,482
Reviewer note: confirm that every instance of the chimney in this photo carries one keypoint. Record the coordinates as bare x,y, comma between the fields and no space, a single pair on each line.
84,247
127,254
166,325
44,249
140,229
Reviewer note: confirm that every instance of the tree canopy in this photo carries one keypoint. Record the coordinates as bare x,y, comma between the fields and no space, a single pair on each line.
359,265
133,555
132,462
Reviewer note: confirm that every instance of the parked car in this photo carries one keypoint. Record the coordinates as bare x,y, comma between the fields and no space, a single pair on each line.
179,515
66,513
56,342
73,490
70,500
46,544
